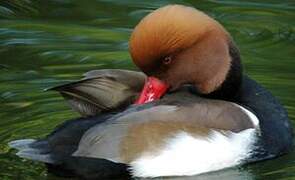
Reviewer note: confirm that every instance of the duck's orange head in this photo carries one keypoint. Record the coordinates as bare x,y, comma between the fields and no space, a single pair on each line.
181,45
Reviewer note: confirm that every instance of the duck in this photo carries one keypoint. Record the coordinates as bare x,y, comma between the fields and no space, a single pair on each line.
190,110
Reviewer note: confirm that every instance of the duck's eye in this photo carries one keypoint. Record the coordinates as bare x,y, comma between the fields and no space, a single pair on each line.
167,60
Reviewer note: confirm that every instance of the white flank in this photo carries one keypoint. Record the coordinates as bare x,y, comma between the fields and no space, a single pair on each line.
186,155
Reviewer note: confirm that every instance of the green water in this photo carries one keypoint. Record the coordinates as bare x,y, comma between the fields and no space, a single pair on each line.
46,43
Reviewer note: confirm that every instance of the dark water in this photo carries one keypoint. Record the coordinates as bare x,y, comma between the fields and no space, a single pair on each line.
46,43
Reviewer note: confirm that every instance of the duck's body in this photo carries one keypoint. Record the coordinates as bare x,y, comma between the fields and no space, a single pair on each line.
232,120
173,140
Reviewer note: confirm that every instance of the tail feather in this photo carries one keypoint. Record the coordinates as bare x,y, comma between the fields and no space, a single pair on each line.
21,144
32,155
27,149
67,165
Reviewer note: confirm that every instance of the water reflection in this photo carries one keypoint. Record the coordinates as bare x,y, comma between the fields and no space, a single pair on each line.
228,174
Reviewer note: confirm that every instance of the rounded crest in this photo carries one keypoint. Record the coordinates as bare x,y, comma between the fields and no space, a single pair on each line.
166,31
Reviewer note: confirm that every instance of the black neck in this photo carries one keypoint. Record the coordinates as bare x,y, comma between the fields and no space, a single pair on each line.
233,81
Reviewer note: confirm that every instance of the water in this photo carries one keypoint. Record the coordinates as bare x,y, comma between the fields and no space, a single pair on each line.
47,43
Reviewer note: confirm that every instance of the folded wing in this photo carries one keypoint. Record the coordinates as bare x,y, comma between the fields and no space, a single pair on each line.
102,90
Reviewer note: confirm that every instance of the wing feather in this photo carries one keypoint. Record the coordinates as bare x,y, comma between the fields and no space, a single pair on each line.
102,90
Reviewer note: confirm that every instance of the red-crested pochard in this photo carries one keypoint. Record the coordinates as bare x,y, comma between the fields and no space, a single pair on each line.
196,113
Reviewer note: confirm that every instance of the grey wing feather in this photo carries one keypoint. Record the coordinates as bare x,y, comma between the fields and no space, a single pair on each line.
102,90
104,140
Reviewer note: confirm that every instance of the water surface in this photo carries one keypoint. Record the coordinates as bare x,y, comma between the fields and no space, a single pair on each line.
47,43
